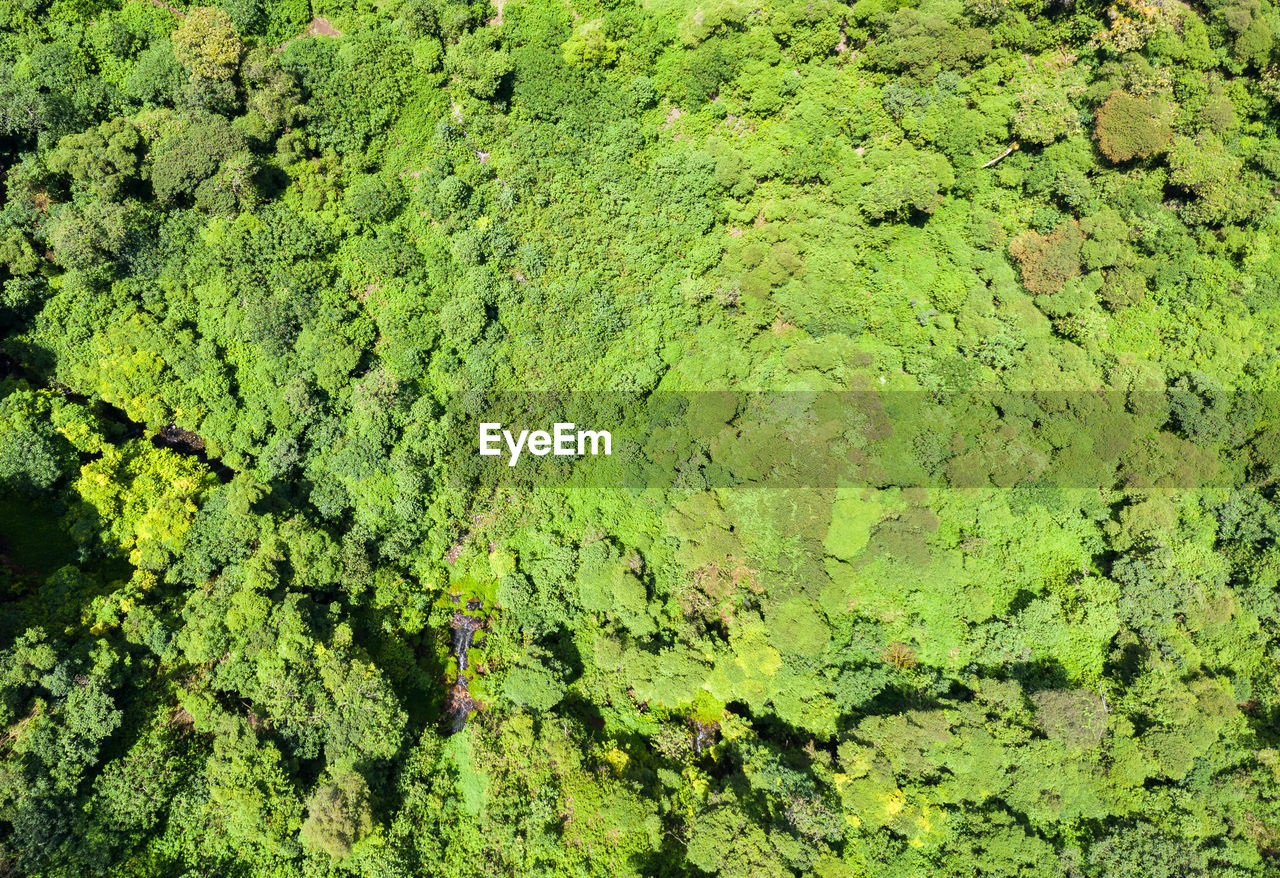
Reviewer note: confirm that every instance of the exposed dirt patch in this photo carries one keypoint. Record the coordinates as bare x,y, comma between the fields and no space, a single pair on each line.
737,126
451,556
320,27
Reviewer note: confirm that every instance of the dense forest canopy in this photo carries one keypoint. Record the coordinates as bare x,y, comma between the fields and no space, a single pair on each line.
939,339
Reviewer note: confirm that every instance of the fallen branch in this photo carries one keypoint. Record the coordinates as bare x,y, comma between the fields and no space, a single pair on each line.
1013,147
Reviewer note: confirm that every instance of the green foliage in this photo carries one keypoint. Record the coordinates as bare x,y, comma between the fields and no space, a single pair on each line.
81,238
354,89
1046,110
480,65
936,340
1224,191
535,687
338,816
156,78
37,451
206,43
142,498
374,200
108,158
1130,126
590,46
794,627
902,181
710,19
205,163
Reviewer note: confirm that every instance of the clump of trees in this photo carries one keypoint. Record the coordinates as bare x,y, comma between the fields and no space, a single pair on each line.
936,340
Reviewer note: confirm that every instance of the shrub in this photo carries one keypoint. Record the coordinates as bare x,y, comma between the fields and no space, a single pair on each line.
590,46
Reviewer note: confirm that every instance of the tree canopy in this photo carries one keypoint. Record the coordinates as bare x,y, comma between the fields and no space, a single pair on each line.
937,343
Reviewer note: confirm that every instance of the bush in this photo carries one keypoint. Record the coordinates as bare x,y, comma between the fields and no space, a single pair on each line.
707,68
33,457
589,46
462,320
479,63
246,15
105,159
642,93
355,86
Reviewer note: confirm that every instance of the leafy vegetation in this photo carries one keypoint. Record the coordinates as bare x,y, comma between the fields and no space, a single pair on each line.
937,341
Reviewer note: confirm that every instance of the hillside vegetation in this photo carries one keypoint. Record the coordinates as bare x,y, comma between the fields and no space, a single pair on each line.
938,341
